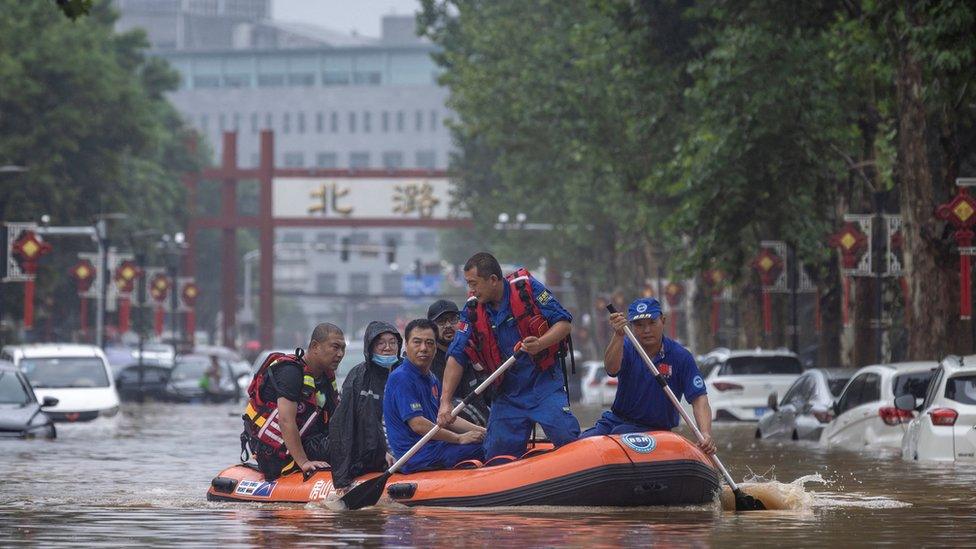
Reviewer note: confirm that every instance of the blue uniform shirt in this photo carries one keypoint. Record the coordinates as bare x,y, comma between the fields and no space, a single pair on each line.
524,384
639,397
408,394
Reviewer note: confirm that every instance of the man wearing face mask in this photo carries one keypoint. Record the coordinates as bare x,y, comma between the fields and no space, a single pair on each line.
445,315
358,441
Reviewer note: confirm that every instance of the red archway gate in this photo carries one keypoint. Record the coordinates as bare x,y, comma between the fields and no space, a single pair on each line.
290,197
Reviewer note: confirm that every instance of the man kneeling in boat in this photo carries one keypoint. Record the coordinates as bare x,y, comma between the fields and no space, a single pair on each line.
290,399
410,406
640,404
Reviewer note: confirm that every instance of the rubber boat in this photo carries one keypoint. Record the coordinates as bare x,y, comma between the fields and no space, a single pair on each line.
636,469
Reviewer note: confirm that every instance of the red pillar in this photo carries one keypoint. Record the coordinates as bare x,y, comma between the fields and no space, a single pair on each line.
266,273
83,312
159,316
124,310
228,288
29,304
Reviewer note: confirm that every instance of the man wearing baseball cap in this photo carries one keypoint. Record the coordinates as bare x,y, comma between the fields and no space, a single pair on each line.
640,404
445,315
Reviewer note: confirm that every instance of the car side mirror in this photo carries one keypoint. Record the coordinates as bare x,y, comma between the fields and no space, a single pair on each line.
835,407
49,402
905,403
773,401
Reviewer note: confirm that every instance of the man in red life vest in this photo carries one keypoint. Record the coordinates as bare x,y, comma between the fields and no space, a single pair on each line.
503,312
290,402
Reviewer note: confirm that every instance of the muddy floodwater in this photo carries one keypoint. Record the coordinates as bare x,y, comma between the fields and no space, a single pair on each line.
141,480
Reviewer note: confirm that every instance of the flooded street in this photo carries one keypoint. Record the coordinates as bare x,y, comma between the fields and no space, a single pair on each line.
141,481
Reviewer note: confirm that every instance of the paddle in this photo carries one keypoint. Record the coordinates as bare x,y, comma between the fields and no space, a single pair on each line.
369,492
743,501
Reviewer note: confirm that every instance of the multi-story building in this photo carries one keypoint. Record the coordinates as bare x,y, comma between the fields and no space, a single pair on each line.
333,101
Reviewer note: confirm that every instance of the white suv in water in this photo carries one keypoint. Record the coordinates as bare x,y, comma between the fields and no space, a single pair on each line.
945,429
77,375
739,382
865,415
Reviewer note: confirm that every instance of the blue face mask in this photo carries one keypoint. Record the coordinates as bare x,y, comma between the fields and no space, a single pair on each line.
385,361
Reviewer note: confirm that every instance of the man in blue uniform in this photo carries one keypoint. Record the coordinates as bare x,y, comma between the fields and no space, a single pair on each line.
410,408
532,390
640,404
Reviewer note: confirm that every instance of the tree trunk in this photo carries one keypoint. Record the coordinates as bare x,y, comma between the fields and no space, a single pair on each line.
930,302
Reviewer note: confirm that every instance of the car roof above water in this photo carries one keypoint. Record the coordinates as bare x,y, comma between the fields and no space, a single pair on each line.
725,354
54,350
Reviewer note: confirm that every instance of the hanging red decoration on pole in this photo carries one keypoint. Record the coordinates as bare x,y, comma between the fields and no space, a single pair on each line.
960,212
715,279
673,292
28,249
159,287
125,277
768,265
84,275
852,243
189,294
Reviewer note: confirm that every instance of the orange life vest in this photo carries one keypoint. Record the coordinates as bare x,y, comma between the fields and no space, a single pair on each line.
261,416
482,348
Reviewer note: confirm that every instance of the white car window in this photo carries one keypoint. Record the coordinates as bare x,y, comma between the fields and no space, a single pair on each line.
962,389
852,395
761,365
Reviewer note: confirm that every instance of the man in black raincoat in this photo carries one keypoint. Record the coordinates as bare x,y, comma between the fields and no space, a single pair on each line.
357,441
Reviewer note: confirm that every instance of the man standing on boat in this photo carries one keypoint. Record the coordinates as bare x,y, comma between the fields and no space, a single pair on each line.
290,401
410,408
501,313
446,316
640,404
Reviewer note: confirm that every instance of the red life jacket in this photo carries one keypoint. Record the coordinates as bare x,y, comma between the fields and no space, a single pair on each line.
482,348
261,416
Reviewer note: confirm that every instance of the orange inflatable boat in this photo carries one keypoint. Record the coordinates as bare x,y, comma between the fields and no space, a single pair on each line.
637,469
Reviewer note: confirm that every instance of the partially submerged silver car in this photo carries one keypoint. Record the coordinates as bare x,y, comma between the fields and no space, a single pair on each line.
806,407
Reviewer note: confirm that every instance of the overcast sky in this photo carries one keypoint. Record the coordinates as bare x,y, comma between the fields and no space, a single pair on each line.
363,16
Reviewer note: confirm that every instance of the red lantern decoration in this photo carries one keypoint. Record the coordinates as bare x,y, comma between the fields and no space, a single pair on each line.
961,213
125,276
769,266
715,279
159,286
27,250
852,243
189,294
673,292
84,275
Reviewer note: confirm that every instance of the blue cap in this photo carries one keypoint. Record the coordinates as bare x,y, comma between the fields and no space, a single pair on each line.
645,307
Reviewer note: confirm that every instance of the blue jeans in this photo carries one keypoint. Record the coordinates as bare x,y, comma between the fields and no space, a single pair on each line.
611,424
510,425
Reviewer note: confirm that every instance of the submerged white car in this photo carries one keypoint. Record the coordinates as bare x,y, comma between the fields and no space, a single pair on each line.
78,376
596,387
945,429
865,415
739,382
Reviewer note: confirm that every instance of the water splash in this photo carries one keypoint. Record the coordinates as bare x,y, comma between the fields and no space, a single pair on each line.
793,496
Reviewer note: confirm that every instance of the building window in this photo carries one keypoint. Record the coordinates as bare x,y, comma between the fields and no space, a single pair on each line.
418,121
385,121
392,160
237,121
292,238
370,78
401,121
334,122
206,81
254,122
352,122
359,283
335,78
268,121
300,119
326,160
367,121
237,81
325,283
392,283
359,160
392,239
294,160
302,79
271,80
326,237
433,121
359,238
286,122
426,160
426,240
319,122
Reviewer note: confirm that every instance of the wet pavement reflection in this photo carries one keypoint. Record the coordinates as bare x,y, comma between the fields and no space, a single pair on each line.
140,479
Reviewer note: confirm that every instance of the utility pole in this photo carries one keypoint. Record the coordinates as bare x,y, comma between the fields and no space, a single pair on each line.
878,261
794,275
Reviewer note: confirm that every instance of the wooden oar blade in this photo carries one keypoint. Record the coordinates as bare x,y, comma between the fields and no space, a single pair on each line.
366,493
